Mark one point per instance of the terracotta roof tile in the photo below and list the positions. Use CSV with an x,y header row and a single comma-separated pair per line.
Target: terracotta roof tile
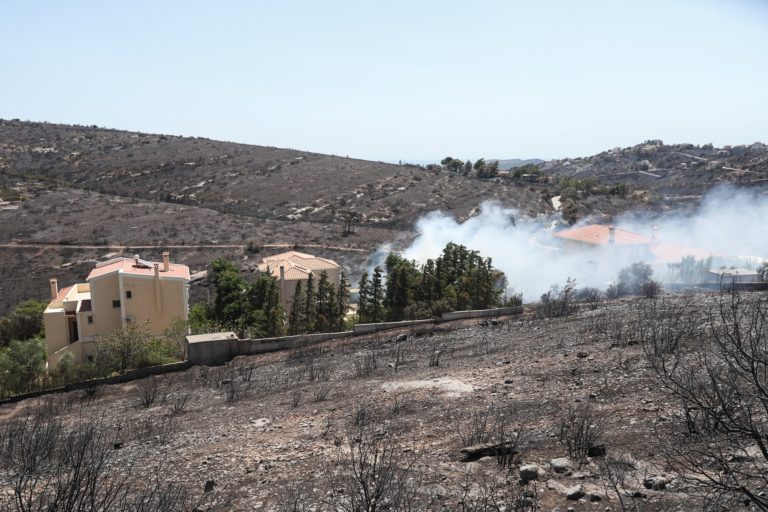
x,y
127,266
297,265
598,234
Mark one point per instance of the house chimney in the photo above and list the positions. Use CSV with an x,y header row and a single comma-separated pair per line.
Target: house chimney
x,y
611,234
136,260
166,261
158,295
54,288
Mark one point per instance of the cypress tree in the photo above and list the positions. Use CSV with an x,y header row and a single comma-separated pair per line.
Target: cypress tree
x,y
342,302
364,300
310,312
296,322
377,296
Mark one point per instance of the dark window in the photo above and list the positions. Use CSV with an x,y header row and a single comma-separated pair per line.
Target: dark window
x,y
115,303
128,294
90,359
90,319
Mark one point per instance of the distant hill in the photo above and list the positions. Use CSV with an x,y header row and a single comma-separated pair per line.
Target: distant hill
x,y
66,184
512,163
63,185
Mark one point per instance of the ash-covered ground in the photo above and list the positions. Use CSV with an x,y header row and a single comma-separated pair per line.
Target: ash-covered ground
x,y
458,416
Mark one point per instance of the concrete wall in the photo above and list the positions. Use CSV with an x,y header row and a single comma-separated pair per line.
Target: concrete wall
x,y
104,290
126,377
482,313
159,307
56,330
381,326
220,351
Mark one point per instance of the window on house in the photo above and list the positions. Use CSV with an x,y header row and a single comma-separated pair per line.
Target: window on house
x,y
129,294
90,319
115,303
90,359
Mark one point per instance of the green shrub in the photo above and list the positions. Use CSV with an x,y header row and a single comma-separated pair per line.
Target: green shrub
x,y
22,363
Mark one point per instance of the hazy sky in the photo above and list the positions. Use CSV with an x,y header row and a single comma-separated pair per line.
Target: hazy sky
x,y
393,80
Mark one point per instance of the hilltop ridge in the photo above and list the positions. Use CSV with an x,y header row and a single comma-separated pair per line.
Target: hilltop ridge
x,y
88,186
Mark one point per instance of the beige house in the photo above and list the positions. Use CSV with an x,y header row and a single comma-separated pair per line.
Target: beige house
x,y
292,266
117,291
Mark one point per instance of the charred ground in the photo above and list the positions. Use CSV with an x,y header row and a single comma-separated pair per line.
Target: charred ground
x,y
266,430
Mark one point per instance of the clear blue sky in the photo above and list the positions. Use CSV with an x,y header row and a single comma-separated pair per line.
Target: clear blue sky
x,y
393,80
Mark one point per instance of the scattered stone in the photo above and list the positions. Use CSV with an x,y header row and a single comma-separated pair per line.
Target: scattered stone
x,y
554,485
657,483
561,465
117,446
494,322
261,422
594,497
639,494
529,472
574,493
582,355
478,451
598,450
402,337
508,380
209,486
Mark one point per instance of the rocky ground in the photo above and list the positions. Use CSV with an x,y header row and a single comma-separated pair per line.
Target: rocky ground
x,y
268,431
65,185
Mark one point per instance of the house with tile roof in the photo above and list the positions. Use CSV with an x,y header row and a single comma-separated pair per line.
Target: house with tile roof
x,y
591,236
293,266
641,247
116,292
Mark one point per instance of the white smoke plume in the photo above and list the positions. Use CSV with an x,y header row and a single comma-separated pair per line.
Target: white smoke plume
x,y
730,224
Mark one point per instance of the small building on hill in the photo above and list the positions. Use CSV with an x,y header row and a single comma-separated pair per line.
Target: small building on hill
x,y
729,276
116,292
292,267
591,236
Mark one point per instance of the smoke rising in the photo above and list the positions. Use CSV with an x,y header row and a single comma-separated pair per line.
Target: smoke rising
x,y
729,225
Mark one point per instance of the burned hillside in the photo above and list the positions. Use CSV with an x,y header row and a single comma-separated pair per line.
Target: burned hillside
x,y
521,412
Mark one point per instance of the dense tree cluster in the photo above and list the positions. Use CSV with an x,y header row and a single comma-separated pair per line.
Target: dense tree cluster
x,y
319,308
25,323
241,306
22,351
487,169
253,308
482,168
458,279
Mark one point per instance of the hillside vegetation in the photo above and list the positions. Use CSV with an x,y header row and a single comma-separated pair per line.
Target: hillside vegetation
x,y
127,192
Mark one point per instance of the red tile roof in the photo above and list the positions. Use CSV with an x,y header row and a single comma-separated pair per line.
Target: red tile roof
x,y
297,265
598,234
675,253
128,266
63,293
